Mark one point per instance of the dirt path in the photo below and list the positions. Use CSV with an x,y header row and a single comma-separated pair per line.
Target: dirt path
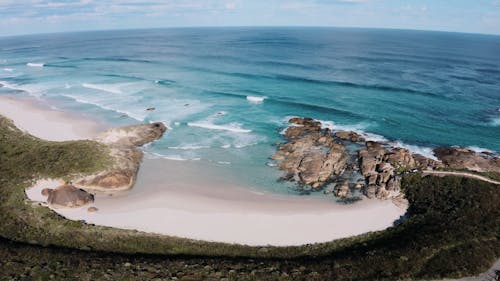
x,y
462,174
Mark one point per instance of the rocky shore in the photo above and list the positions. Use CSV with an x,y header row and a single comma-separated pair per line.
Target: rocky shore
x,y
343,162
122,145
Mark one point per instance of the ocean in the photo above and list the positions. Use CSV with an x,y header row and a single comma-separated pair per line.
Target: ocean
x,y
226,93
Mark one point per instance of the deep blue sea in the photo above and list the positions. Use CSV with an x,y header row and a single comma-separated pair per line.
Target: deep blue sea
x,y
226,93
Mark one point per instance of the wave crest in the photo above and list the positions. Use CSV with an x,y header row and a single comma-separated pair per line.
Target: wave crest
x,y
35,64
233,127
255,99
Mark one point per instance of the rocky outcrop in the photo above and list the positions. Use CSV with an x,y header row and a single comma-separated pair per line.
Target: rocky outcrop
x,y
314,156
311,156
122,143
379,166
67,196
350,136
464,158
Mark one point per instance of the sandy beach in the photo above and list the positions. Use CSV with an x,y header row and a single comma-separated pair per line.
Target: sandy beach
x,y
46,123
187,199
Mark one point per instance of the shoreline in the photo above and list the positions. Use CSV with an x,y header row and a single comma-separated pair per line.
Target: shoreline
x,y
41,121
168,199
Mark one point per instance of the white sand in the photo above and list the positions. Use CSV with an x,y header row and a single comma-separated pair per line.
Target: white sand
x,y
188,199
46,123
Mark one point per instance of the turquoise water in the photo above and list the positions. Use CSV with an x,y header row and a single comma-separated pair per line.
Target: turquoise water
x,y
226,93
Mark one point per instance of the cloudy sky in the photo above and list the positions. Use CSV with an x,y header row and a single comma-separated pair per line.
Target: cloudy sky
x,y
37,16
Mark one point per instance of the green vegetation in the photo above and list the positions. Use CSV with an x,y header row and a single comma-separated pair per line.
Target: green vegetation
x,y
453,230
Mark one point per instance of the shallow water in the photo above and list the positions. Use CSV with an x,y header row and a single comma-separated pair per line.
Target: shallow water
x,y
226,93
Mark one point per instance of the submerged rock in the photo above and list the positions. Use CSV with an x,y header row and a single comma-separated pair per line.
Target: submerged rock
x,y
67,196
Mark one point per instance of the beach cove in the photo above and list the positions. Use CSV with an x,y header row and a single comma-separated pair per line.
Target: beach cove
x,y
168,199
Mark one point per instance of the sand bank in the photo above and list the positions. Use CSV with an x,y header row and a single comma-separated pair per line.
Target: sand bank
x,y
189,199
46,123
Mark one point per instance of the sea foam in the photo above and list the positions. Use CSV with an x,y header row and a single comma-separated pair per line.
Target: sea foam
x,y
357,128
33,64
422,150
34,90
110,88
189,147
255,99
495,121
102,106
233,127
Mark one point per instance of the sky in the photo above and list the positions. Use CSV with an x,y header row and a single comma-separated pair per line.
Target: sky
x,y
46,16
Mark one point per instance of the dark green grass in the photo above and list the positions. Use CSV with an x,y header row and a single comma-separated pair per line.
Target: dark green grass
x,y
453,228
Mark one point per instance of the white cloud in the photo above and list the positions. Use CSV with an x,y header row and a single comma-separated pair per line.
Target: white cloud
x,y
230,5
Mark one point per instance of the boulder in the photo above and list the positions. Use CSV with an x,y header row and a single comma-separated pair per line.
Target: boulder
x,y
424,163
382,193
401,158
349,136
68,196
342,190
370,191
372,179
310,167
385,172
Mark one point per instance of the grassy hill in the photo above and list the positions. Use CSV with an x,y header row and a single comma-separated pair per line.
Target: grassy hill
x,y
452,230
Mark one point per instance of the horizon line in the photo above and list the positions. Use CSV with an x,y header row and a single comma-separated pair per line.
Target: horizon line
x,y
249,26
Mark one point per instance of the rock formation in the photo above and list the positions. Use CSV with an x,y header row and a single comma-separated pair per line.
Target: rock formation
x,y
379,166
313,156
464,158
122,143
349,135
67,196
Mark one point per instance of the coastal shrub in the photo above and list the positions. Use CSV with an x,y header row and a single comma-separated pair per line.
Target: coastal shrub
x,y
452,229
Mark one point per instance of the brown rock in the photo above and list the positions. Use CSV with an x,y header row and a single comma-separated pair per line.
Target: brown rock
x,y
343,190
310,155
68,196
46,191
463,158
423,162
310,167
372,179
391,185
385,172
382,193
370,191
92,209
400,157
350,136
